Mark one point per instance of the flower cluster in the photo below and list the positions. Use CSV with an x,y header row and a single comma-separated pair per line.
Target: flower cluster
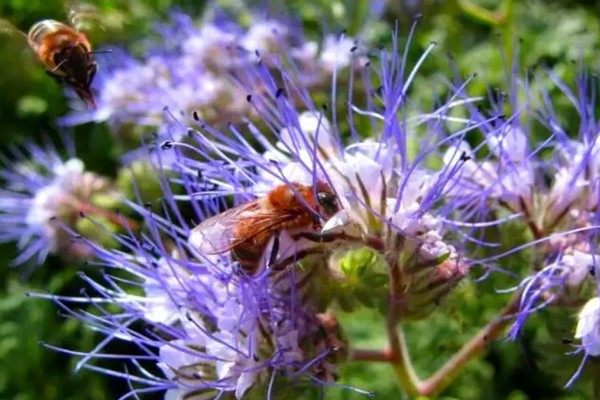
x,y
45,192
210,329
276,212
204,71
215,325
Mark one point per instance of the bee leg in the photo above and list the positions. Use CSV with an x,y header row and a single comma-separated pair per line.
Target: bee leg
x,y
274,251
59,79
92,69
57,67
282,264
371,241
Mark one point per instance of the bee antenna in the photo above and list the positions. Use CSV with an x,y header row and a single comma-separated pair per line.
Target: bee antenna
x,y
100,51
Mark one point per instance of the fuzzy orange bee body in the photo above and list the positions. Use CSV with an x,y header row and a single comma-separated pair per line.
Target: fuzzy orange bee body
x,y
63,49
67,55
247,229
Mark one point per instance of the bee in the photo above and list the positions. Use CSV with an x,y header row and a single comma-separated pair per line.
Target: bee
x,y
246,230
64,50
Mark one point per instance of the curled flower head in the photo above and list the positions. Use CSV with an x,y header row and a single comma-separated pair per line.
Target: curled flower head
x,y
388,202
43,191
530,170
211,329
201,72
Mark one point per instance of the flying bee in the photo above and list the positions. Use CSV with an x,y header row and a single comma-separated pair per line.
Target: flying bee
x,y
64,50
246,230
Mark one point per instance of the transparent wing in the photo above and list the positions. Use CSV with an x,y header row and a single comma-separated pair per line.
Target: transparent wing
x,y
221,233
83,16
7,28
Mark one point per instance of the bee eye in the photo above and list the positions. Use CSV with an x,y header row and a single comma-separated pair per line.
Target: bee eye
x,y
328,203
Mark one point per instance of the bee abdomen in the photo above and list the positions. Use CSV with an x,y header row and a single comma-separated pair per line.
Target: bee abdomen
x,y
40,29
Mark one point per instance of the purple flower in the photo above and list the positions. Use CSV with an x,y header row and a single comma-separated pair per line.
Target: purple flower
x,y
42,191
550,185
214,328
383,193
210,329
196,71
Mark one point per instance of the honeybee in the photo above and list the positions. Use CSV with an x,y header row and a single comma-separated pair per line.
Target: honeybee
x,y
64,50
247,229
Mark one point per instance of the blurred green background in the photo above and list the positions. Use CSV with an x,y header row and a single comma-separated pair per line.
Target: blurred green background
x,y
472,37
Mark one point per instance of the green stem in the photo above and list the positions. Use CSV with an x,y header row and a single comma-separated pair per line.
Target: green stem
x,y
407,377
398,355
450,370
485,16
596,386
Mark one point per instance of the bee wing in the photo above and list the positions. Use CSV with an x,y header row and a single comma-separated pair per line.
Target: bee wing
x,y
83,16
7,28
218,234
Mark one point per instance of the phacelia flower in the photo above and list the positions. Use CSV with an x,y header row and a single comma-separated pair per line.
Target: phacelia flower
x,y
216,328
388,202
196,71
43,191
548,182
588,327
211,330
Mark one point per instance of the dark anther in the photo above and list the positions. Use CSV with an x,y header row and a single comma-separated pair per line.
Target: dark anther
x,y
166,145
566,341
592,270
324,107
248,98
379,90
118,211
190,133
279,92
464,157
148,206
196,116
367,64
54,218
199,175
257,53
81,214
353,49
166,108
